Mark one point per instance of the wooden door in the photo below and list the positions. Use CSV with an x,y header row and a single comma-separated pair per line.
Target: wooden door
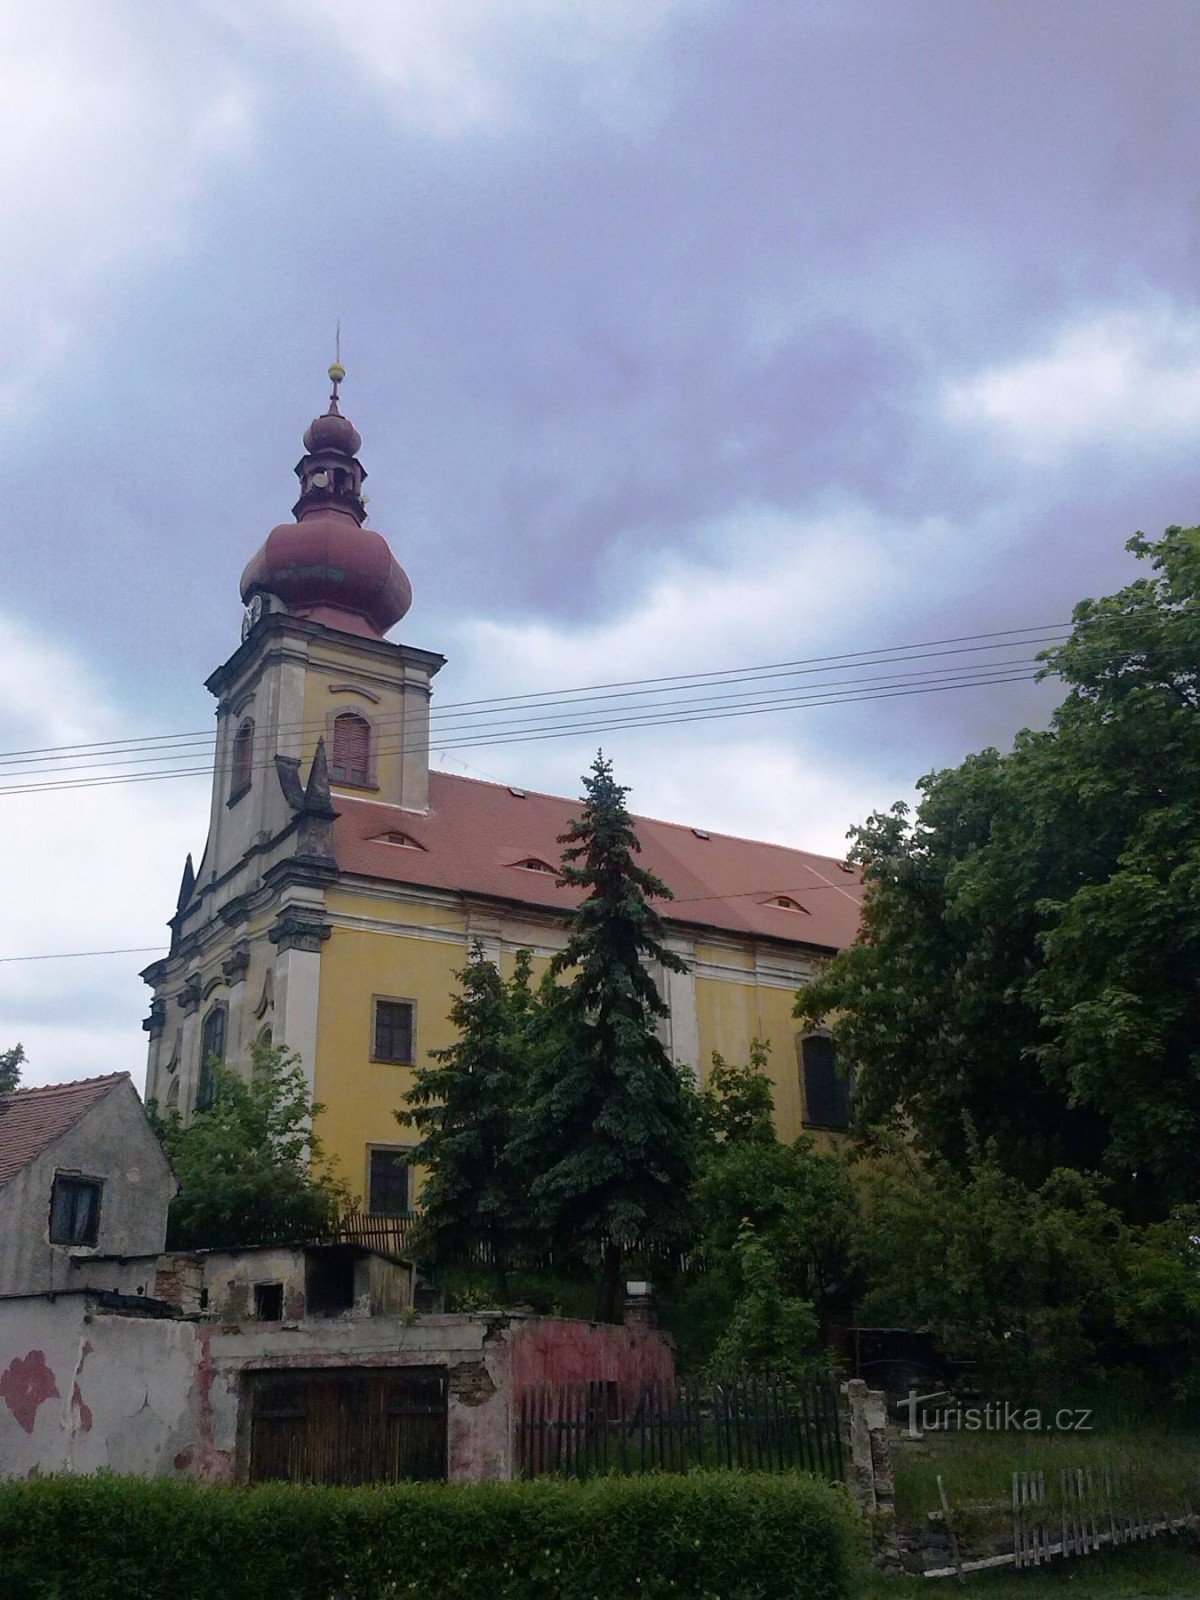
x,y
348,1425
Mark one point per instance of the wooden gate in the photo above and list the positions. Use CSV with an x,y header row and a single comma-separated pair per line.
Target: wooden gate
x,y
348,1425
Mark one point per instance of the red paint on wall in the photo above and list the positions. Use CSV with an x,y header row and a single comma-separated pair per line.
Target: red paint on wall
x,y
206,1372
81,1409
25,1384
559,1350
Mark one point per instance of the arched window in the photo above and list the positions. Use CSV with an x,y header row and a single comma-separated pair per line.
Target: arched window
x,y
351,749
243,759
212,1054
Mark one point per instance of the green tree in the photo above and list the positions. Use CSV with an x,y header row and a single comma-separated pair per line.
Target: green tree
x,y
737,1102
771,1330
1028,975
464,1108
1045,1287
607,1133
773,1226
11,1062
251,1169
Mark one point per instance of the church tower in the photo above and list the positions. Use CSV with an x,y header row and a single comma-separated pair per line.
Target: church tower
x,y
343,883
315,703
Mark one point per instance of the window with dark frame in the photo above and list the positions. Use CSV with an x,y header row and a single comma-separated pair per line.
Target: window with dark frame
x,y
351,761
389,1189
74,1210
826,1090
393,1032
212,1053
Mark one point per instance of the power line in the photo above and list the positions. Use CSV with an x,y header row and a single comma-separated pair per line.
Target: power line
x,y
80,955
631,718
885,653
541,716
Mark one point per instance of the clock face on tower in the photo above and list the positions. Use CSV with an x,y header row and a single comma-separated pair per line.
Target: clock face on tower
x,y
253,612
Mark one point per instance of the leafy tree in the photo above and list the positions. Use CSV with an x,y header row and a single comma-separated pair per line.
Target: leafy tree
x,y
1044,1286
464,1109
11,1062
771,1330
1028,976
737,1103
251,1169
774,1224
607,1130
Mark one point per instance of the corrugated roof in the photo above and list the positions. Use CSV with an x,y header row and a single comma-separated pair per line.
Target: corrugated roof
x,y
31,1119
475,836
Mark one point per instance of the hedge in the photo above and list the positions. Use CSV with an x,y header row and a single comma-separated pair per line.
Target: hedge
x,y
704,1536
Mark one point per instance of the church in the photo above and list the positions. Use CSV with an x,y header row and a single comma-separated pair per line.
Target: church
x,y
343,882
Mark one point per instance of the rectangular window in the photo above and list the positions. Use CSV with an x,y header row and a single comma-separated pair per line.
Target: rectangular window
x,y
268,1302
389,1192
74,1210
393,1040
826,1091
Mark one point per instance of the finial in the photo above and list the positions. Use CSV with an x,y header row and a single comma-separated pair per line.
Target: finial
x,y
337,371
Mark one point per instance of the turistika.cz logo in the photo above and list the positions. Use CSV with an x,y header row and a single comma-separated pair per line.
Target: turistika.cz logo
x,y
934,1413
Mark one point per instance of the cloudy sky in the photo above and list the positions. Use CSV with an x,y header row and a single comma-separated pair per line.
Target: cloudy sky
x,y
682,335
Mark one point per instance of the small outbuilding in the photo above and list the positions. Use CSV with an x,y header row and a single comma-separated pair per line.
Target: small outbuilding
x,y
84,1189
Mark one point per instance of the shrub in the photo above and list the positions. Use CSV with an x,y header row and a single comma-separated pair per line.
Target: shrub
x,y
706,1536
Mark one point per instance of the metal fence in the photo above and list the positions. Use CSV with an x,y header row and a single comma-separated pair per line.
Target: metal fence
x,y
764,1424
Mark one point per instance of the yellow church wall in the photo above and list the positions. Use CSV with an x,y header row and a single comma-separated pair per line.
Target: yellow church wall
x,y
731,1014
360,1096
358,964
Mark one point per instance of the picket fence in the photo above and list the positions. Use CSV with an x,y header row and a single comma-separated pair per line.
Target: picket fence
x,y
767,1424
1095,1509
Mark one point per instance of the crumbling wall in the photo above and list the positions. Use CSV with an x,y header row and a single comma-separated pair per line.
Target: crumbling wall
x,y
83,1389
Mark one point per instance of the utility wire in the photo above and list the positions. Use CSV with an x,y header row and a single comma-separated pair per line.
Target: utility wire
x,y
631,719
883,654
125,762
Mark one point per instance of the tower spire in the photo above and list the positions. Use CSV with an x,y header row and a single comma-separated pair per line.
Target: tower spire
x,y
337,371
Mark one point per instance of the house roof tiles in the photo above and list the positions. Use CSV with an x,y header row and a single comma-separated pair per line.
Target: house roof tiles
x,y
31,1119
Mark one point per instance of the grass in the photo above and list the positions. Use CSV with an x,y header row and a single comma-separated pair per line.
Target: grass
x,y
1169,1570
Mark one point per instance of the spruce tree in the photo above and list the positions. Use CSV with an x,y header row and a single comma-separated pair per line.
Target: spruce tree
x,y
608,1124
463,1107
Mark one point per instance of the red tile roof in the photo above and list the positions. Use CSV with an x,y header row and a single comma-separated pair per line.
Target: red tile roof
x,y
31,1119
475,835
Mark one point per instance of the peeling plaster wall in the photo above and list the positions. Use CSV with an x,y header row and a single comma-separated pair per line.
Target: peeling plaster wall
x,y
82,1389
562,1350
111,1141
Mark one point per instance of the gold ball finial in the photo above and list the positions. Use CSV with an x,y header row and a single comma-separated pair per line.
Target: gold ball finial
x,y
337,372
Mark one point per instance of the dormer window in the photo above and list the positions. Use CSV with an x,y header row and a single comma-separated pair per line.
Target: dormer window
x,y
351,761
784,902
401,839
533,864
243,760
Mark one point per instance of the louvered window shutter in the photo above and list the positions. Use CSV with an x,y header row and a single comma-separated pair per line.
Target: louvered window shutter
x,y
351,749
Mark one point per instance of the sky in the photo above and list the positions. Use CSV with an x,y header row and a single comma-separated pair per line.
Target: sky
x,y
682,335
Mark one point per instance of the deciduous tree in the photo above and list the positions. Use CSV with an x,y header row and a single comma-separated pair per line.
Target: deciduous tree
x,y
1028,976
251,1169
11,1062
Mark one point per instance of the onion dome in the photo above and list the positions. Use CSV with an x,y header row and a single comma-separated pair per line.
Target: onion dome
x,y
326,565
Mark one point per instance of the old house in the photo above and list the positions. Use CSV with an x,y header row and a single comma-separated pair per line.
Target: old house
x,y
343,881
84,1189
